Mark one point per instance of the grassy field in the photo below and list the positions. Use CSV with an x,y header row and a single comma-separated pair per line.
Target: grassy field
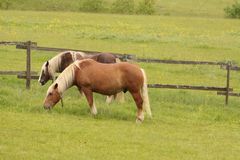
x,y
185,124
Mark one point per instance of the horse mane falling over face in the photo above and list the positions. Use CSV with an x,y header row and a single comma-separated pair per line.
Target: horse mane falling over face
x,y
90,76
63,82
58,64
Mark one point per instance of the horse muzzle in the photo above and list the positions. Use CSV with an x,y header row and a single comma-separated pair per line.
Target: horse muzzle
x,y
47,106
42,82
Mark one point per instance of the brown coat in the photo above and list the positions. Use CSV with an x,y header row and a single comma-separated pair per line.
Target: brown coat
x,y
114,74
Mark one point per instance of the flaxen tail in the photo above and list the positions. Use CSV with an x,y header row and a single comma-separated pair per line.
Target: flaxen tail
x,y
118,60
144,92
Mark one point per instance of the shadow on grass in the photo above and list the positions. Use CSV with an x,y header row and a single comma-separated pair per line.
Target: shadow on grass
x,y
115,111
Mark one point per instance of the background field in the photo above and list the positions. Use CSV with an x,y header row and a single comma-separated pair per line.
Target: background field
x,y
204,8
185,124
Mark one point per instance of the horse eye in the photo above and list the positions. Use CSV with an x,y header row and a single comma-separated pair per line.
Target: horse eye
x,y
50,94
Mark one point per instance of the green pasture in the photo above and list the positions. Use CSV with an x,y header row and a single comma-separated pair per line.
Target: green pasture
x,y
185,124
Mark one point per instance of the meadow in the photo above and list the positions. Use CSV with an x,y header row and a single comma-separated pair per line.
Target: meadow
x,y
185,124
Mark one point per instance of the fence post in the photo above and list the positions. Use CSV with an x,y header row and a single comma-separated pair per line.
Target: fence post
x,y
228,82
28,65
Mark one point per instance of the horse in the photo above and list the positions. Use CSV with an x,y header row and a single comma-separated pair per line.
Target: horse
x,y
90,76
58,63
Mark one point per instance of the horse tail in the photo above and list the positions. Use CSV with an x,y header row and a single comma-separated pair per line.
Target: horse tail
x,y
118,60
144,93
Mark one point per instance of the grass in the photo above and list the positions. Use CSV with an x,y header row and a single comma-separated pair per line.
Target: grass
x,y
71,137
185,124
199,127
164,37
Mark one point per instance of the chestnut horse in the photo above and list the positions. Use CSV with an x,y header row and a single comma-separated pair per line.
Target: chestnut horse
x,y
107,79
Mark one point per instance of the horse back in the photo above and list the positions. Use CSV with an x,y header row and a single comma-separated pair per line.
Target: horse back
x,y
104,58
118,75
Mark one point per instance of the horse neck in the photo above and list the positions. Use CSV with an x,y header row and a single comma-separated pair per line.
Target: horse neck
x,y
55,63
66,79
77,55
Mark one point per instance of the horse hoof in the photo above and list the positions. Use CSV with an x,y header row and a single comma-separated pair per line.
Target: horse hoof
x,y
94,111
139,121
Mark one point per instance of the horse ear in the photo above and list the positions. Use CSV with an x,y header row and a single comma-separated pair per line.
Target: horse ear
x,y
47,63
55,86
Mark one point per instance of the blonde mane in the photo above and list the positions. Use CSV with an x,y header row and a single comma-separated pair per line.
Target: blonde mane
x,y
55,62
74,55
65,79
53,65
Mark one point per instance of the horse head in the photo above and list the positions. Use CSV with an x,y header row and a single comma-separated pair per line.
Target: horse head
x,y
53,96
45,74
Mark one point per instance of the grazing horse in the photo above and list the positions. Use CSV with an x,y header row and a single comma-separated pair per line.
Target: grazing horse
x,y
107,79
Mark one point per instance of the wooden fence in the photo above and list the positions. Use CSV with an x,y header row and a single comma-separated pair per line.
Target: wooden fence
x,y
226,90
28,71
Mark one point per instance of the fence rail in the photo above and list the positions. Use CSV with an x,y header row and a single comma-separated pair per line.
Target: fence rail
x,y
16,43
233,68
181,62
24,76
172,86
14,72
230,94
22,46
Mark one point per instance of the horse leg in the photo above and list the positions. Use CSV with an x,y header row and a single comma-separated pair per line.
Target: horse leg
x,y
139,102
119,97
109,99
80,91
89,95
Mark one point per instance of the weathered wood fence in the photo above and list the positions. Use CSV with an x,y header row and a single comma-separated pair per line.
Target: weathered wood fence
x,y
28,74
223,65
28,71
